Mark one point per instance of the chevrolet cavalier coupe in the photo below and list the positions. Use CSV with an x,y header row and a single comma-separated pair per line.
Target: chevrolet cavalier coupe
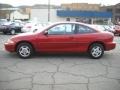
x,y
63,37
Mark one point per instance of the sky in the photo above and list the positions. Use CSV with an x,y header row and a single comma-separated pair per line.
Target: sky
x,y
58,2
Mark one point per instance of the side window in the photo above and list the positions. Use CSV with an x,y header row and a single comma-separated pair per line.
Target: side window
x,y
70,28
84,29
62,29
58,29
17,24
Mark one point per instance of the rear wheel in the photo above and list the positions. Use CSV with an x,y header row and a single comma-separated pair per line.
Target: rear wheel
x,y
24,50
96,51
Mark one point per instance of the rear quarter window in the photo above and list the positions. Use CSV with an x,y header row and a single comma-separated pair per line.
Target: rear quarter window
x,y
84,29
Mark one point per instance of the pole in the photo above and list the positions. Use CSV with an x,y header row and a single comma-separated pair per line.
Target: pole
x,y
48,10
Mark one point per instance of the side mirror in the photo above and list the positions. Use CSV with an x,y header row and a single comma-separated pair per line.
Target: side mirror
x,y
45,32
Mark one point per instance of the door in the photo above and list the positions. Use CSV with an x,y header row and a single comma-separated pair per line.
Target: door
x,y
60,38
84,36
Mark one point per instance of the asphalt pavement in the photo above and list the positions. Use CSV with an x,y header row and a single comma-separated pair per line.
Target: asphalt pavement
x,y
59,72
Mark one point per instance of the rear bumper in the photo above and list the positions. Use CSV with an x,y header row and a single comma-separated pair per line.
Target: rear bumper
x,y
9,47
110,46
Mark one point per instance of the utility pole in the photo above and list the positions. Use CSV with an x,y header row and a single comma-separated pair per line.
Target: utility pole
x,y
48,10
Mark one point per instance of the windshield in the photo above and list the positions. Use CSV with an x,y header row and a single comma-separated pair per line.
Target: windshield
x,y
42,28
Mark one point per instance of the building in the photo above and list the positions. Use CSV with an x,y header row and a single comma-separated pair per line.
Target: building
x,y
17,15
57,15
4,14
43,14
84,12
12,13
115,10
85,16
5,10
72,12
81,6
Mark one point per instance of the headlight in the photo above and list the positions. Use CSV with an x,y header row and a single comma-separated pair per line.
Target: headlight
x,y
10,41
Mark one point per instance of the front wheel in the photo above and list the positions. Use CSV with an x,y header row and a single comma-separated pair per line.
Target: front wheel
x,y
96,51
12,32
24,50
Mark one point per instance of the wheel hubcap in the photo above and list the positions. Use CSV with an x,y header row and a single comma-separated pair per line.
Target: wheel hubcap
x,y
96,51
24,51
12,32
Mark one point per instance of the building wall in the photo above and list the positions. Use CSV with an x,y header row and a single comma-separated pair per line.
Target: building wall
x,y
5,14
2,14
14,13
82,6
42,15
115,9
18,15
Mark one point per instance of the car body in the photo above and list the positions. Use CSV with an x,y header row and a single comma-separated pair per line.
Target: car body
x,y
29,27
33,26
3,22
117,30
11,27
108,28
62,37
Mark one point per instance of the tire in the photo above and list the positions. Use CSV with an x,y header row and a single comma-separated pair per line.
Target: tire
x,y
12,32
4,32
96,51
24,50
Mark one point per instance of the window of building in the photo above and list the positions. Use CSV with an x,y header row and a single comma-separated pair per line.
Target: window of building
x,y
109,10
78,19
117,10
67,19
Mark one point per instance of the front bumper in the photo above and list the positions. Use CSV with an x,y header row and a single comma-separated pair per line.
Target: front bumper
x,y
10,47
110,46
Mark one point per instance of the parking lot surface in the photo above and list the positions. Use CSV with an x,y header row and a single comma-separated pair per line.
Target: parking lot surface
x,y
59,72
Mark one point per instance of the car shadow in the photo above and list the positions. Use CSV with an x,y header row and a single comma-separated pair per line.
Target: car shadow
x,y
72,55
36,55
7,55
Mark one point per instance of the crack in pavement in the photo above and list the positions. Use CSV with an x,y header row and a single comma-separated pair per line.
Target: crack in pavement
x,y
14,67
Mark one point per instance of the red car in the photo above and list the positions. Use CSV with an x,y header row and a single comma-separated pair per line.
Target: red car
x,y
66,37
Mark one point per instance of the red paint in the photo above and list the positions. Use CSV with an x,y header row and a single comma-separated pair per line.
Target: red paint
x,y
117,29
62,43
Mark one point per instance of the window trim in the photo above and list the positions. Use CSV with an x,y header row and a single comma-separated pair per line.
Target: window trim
x,y
65,30
94,31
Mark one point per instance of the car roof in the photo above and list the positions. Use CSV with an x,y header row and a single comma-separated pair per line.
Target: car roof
x,y
70,22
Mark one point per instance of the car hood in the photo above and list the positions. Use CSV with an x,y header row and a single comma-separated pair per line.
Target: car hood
x,y
24,35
